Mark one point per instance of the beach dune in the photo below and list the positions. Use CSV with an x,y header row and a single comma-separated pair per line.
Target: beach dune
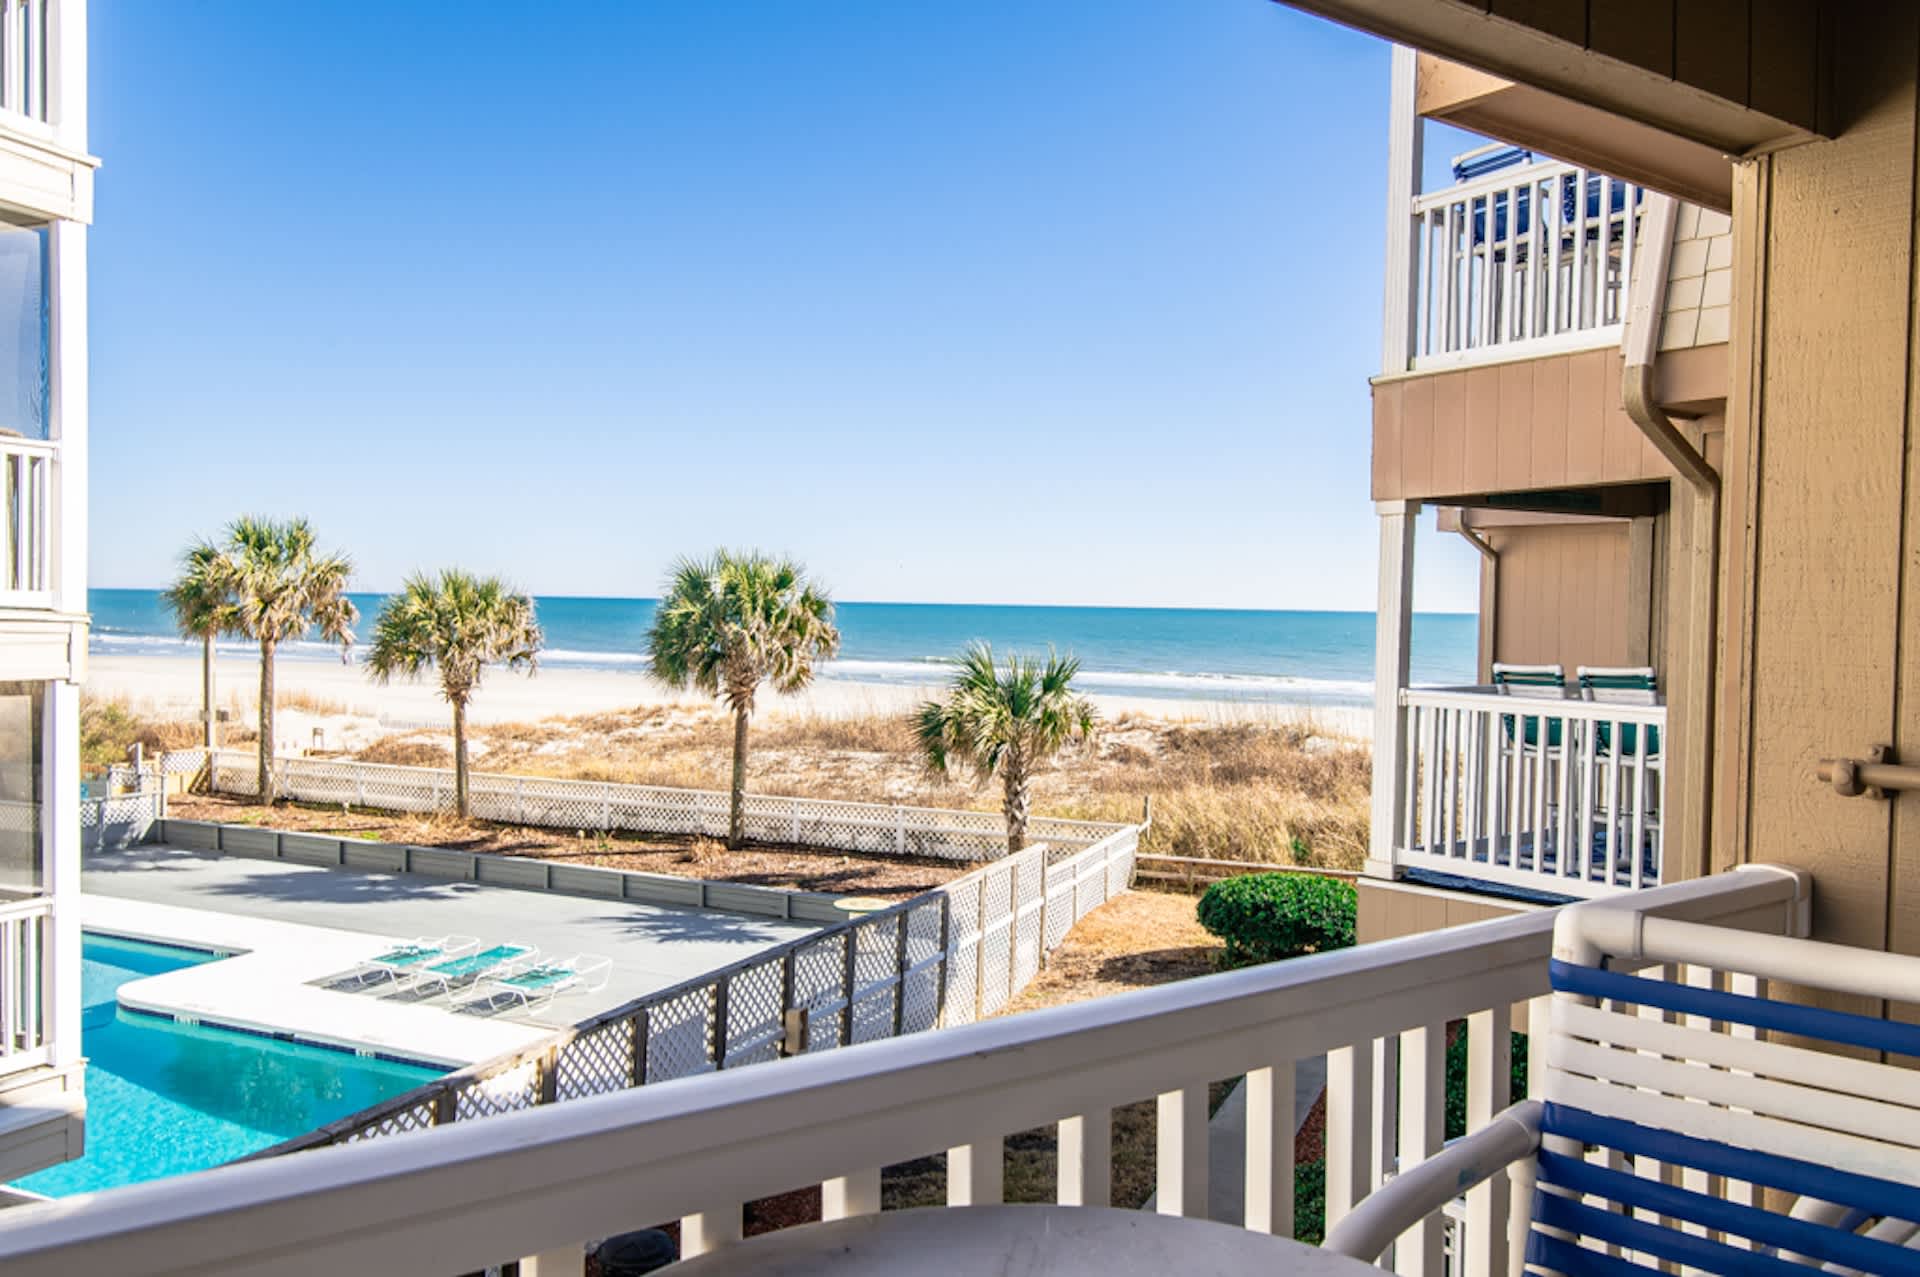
x,y
348,709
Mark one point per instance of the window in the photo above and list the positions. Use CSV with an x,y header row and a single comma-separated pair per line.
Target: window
x,y
22,744
25,312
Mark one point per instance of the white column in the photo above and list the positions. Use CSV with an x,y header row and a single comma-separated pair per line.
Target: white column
x,y
60,834
67,410
1403,236
1393,636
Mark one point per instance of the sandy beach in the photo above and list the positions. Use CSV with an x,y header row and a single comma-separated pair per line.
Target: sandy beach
x,y
339,700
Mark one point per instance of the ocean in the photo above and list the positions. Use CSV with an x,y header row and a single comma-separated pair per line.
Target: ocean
x,y
1173,653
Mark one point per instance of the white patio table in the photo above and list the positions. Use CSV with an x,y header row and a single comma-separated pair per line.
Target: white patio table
x,y
1020,1241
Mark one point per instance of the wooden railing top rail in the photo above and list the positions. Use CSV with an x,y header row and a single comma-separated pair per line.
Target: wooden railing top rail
x,y
1570,706
1497,182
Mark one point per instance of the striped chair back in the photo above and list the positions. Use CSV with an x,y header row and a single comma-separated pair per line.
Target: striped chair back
x,y
1695,1123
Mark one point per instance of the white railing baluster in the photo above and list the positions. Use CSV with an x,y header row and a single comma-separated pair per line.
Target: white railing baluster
x,y
1423,1054
1180,1159
845,1196
1349,1129
1477,298
1489,1068
976,1173
1269,1150
709,1230
1085,1160
1517,789
1410,833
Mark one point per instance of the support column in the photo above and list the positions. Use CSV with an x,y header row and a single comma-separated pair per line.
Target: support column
x,y
1403,235
67,414
60,847
1393,637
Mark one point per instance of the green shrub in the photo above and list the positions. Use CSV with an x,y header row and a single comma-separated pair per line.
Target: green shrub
x,y
1456,1115
1310,1202
1264,917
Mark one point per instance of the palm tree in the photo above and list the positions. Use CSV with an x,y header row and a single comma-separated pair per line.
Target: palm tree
x,y
202,601
460,624
732,622
1005,722
282,589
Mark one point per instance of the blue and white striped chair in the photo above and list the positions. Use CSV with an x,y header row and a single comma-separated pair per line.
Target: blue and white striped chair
x,y
1697,1125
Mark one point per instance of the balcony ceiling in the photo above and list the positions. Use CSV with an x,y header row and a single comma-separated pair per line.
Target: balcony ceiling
x,y
1654,90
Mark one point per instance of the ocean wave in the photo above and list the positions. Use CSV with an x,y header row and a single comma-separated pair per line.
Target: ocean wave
x,y
923,672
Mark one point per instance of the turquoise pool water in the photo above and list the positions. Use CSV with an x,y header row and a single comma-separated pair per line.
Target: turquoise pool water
x,y
166,1098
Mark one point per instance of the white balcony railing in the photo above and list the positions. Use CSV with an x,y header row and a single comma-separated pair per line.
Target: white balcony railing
x,y
23,57
26,969
26,485
1562,796
539,1182
1528,260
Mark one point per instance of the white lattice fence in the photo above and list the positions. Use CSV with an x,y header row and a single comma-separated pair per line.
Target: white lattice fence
x,y
873,828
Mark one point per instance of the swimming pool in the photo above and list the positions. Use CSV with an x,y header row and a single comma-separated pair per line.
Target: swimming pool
x,y
166,1098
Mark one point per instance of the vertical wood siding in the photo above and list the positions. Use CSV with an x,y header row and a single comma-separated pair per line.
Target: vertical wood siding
x,y
1513,427
1821,591
1563,595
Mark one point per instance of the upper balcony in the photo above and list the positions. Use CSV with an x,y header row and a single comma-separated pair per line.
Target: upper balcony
x,y
45,170
1520,257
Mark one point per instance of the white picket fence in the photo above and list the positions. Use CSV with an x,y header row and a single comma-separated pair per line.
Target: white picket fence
x,y
601,806
948,956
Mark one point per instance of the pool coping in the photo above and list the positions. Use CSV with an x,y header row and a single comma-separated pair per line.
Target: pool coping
x,y
265,987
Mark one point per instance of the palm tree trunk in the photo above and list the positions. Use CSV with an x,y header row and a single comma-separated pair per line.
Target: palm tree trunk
x,y
1017,805
460,756
211,732
265,789
737,812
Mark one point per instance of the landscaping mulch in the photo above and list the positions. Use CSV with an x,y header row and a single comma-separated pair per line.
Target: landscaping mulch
x,y
765,865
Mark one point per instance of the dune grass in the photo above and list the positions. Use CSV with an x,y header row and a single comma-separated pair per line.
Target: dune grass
x,y
1282,790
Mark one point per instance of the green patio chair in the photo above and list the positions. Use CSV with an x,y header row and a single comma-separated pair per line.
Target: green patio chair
x,y
1625,685
1541,682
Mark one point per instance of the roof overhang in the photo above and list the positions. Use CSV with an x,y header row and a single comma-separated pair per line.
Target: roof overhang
x,y
1731,80
1571,131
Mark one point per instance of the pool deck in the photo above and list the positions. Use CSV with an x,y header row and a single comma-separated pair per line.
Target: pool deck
x,y
299,930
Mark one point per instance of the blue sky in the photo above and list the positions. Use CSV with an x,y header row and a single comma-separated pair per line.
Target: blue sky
x,y
1069,302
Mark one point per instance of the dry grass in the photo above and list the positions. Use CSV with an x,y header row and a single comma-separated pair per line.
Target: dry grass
x,y
109,728
1280,791
1142,939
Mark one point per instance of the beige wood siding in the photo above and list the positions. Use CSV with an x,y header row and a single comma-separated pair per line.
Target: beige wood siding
x,y
1563,595
1555,422
1389,910
1820,650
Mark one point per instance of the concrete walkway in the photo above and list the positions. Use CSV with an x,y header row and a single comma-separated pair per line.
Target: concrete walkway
x,y
310,926
1227,1141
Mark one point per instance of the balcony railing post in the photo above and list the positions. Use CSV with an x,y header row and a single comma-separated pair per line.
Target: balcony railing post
x,y
1393,637
1403,223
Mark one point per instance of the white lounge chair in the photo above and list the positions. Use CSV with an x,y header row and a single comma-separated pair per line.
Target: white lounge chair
x,y
472,968
404,959
534,984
